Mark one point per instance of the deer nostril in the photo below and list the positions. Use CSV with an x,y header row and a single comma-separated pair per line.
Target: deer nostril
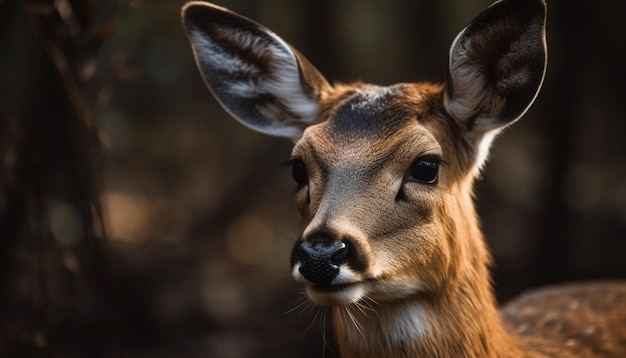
x,y
341,255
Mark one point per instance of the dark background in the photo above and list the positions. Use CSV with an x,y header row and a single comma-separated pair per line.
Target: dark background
x,y
138,220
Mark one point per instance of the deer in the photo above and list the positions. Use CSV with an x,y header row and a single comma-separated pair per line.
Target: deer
x,y
391,240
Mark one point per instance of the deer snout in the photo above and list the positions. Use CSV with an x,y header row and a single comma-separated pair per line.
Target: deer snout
x,y
327,262
318,262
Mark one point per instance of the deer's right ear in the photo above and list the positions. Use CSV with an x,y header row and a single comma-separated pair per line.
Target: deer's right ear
x,y
256,76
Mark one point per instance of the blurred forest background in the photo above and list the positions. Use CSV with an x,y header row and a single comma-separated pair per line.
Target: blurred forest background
x,y
138,220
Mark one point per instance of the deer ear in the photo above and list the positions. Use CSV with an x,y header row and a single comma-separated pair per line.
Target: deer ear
x,y
256,76
497,65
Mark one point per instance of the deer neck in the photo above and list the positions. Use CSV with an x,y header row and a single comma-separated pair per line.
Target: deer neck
x,y
461,323
460,320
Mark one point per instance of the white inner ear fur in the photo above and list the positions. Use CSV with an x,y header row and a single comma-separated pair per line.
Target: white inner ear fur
x,y
472,95
249,80
470,92
467,83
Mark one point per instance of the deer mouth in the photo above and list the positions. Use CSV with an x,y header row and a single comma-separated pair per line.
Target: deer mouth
x,y
331,289
336,295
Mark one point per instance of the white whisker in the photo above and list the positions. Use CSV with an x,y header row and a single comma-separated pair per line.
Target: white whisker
x,y
304,304
362,308
355,322
323,327
317,312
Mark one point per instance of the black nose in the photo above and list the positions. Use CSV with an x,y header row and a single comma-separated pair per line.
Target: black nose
x,y
320,263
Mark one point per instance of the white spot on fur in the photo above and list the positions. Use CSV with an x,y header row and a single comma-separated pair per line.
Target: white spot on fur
x,y
522,328
396,325
410,322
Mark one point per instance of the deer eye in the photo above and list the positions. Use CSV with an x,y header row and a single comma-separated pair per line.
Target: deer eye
x,y
426,169
299,173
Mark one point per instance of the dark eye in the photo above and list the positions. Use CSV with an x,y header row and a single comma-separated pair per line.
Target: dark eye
x,y
298,171
426,169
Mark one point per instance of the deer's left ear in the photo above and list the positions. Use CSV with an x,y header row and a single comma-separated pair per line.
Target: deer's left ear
x,y
256,76
496,66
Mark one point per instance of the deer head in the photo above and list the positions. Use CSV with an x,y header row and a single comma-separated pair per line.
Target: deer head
x,y
384,173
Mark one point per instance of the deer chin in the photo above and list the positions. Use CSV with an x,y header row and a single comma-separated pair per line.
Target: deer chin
x,y
377,290
336,295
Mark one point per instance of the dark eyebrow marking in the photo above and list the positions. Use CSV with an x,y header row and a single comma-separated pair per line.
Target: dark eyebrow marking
x,y
369,112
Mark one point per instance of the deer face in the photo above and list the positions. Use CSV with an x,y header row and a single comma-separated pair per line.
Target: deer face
x,y
373,182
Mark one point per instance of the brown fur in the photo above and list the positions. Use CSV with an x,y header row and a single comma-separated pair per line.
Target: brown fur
x,y
462,317
417,282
